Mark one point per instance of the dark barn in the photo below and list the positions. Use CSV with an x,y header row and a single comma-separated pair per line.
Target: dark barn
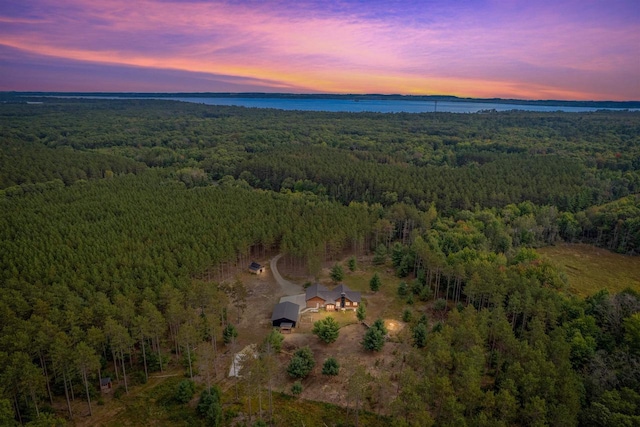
x,y
285,312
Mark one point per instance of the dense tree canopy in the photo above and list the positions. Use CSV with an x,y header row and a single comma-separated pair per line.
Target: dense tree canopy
x,y
118,218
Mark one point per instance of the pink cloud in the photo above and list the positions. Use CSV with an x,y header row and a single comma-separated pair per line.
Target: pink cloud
x,y
505,49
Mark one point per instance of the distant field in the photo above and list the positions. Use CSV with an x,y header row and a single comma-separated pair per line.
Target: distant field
x,y
590,269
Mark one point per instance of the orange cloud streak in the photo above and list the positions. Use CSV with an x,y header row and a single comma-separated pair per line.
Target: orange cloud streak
x,y
314,51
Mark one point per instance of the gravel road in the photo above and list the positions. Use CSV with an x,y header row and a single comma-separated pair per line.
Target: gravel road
x,y
288,288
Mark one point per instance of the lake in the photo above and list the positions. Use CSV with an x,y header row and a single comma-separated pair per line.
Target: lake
x,y
366,105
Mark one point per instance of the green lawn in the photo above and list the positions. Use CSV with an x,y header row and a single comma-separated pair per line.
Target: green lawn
x,y
385,302
591,269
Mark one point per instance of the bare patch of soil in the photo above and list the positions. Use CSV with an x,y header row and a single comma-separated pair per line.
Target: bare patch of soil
x,y
263,294
349,353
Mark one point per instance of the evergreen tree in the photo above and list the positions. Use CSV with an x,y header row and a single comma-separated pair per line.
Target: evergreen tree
x,y
302,363
375,336
361,312
403,289
352,264
229,333
331,367
186,390
337,273
296,388
380,255
326,329
420,335
210,407
274,340
375,282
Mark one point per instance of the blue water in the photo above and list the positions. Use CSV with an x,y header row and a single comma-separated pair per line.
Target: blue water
x,y
367,105
380,106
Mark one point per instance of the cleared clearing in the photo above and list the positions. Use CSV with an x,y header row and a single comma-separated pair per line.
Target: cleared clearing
x,y
590,269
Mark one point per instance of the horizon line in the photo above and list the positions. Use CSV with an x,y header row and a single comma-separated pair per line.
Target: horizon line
x,y
316,95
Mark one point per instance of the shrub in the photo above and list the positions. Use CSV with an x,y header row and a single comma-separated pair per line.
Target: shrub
x,y
302,363
375,283
118,392
423,319
229,333
330,367
186,390
440,304
403,289
274,340
153,361
138,377
425,294
352,264
420,335
380,256
296,388
210,408
361,312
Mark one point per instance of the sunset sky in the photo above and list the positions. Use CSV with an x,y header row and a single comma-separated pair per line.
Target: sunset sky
x,y
530,49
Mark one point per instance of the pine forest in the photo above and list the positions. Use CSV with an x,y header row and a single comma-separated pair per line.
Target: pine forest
x,y
127,227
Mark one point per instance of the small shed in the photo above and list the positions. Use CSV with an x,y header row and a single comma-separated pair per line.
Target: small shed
x,y
256,268
105,385
285,312
286,327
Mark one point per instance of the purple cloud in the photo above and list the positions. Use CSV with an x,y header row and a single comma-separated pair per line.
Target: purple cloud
x,y
542,49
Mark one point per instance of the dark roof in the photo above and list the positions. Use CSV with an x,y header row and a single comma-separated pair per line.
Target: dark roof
x,y
318,290
105,381
286,310
351,295
254,266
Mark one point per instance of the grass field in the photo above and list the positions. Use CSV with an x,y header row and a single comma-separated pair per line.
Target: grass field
x,y
590,269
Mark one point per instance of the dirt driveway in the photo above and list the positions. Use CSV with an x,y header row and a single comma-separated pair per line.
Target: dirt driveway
x,y
264,292
288,288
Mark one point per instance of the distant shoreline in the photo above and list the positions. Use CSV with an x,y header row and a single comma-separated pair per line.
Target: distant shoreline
x,y
354,97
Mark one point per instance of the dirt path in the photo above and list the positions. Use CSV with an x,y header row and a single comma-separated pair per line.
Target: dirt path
x,y
288,288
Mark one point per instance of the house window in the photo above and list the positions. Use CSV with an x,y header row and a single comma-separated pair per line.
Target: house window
x,y
347,303
355,304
